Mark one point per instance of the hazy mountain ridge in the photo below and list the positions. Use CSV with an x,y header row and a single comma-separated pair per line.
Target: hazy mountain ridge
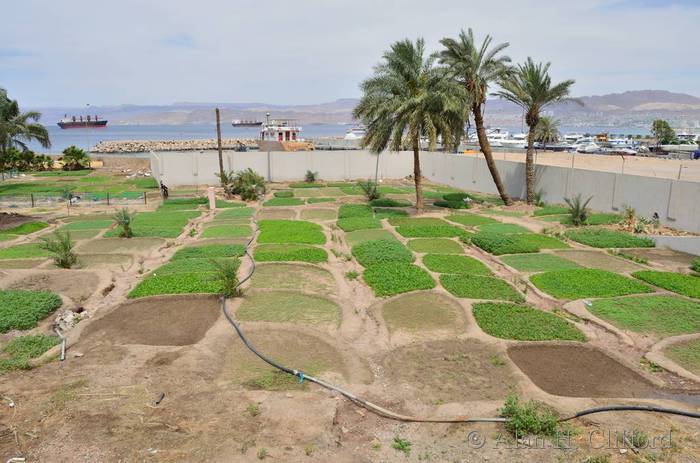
x,y
632,106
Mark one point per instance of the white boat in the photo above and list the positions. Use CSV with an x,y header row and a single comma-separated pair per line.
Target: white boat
x,y
282,135
590,147
355,133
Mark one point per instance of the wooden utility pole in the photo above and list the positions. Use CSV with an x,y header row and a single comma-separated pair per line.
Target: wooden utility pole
x,y
218,142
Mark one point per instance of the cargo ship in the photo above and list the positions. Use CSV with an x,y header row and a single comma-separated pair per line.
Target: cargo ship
x,y
79,122
244,123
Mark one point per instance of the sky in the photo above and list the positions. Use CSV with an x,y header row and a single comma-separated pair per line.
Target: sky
x,y
79,52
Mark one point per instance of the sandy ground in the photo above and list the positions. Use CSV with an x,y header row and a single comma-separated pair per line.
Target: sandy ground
x,y
633,165
167,379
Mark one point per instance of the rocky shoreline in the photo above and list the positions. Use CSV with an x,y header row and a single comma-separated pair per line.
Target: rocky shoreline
x,y
144,146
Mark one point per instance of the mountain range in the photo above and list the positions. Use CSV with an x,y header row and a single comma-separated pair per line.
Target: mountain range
x,y
630,108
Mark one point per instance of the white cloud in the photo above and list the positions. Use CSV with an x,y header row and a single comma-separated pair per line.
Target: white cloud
x,y
318,50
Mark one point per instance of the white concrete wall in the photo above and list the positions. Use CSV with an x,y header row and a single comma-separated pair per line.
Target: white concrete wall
x,y
676,202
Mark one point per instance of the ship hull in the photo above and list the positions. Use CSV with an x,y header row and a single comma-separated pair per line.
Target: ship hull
x,y
247,124
83,125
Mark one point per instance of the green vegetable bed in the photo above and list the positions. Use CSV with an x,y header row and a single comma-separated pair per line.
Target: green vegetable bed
x,y
524,323
290,253
687,285
22,310
580,283
290,231
471,220
283,202
209,251
435,246
480,287
349,224
388,279
604,238
226,231
538,262
446,263
381,251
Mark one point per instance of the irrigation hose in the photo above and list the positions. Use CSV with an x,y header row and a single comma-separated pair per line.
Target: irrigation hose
x,y
381,411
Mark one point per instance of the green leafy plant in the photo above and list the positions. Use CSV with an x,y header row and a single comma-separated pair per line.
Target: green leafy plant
x,y
381,251
21,310
435,246
283,202
401,445
124,218
290,253
604,238
60,246
349,224
209,251
354,210
449,263
529,418
695,265
687,285
226,274
389,202
74,158
290,231
369,189
390,278
578,209
246,183
283,194
480,287
586,282
523,323
352,274
310,176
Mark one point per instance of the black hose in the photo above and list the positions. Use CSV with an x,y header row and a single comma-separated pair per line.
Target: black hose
x,y
396,416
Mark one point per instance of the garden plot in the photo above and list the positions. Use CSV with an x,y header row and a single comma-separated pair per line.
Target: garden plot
x,y
104,260
288,307
447,263
162,321
471,220
410,227
658,316
523,243
23,251
20,263
524,323
362,236
582,283
235,213
505,228
180,276
675,260
23,309
166,222
538,262
317,192
480,287
422,311
579,371
305,352
320,215
76,284
26,228
119,245
305,278
687,285
435,246
599,259
226,231
448,371
16,354
208,251
604,238
273,213
283,202
290,231
290,253
686,354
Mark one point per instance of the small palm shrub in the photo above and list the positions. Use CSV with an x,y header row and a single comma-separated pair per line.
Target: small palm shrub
x,y
695,265
370,189
578,209
60,246
226,273
75,159
246,183
124,219
311,177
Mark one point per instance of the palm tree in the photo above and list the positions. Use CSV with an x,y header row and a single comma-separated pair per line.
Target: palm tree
x,y
406,98
531,88
474,68
17,128
547,131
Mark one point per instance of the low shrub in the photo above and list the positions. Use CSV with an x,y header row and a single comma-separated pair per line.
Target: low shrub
x,y
209,251
480,287
578,210
530,418
524,323
246,183
604,238
358,223
369,189
695,265
290,253
310,176
687,285
290,231
447,263
60,247
124,218
226,274
354,210
390,278
435,246
388,202
375,252
22,310
584,282
274,202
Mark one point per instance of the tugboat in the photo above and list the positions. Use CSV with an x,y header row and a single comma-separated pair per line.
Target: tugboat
x,y
282,135
80,123
245,123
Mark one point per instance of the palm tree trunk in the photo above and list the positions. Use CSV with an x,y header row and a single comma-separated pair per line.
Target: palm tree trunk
x,y
530,166
488,155
417,176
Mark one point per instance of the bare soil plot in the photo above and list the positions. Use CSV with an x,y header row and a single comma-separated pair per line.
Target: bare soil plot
x,y
158,321
77,285
302,351
305,278
288,306
598,259
423,311
675,260
577,371
319,214
21,263
686,354
119,245
448,371
103,260
276,213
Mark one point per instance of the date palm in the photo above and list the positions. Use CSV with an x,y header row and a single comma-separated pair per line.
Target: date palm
x,y
406,98
475,67
530,87
18,128
547,131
